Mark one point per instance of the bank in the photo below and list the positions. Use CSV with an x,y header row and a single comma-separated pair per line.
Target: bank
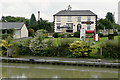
x,y
63,61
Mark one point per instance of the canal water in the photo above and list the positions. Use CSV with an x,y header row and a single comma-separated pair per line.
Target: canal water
x,y
19,70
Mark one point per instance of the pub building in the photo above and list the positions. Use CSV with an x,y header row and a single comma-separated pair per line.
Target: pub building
x,y
73,20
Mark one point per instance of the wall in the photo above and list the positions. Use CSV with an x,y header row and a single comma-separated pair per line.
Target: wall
x,y
64,20
24,31
17,34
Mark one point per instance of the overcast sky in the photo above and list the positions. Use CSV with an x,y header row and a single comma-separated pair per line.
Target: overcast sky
x,y
24,8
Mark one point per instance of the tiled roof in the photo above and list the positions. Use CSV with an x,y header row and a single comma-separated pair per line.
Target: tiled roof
x,y
75,13
8,25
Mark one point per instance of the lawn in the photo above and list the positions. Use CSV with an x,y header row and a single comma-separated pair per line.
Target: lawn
x,y
102,39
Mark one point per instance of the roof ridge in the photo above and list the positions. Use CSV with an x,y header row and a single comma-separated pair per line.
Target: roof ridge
x,y
12,22
75,12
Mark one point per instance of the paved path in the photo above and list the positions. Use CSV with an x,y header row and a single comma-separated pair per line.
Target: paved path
x,y
22,39
71,59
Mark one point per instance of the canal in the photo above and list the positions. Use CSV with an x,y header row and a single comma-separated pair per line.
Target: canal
x,y
19,70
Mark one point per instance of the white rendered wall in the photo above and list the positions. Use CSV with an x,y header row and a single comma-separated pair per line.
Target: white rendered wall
x,y
64,20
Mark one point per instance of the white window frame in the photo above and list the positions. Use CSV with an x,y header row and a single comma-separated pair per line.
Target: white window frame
x,y
17,32
89,18
79,19
70,25
58,24
69,18
58,18
89,27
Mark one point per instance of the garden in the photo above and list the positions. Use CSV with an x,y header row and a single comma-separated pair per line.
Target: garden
x,y
62,45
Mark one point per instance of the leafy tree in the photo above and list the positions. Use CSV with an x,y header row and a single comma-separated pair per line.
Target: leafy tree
x,y
32,23
104,23
44,24
38,44
110,17
15,19
107,24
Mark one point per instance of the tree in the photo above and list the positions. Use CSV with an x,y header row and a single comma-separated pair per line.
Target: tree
x,y
100,24
30,23
15,19
33,22
38,44
110,17
104,23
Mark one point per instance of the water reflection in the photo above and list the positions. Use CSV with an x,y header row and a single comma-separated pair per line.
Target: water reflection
x,y
53,71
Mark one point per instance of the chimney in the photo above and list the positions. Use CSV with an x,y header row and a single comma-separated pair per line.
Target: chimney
x,y
38,15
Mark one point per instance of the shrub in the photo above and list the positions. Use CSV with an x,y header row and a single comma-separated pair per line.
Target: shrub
x,y
21,48
11,31
60,50
115,33
45,35
55,35
16,49
110,49
65,35
4,36
38,44
79,49
101,34
4,45
105,35
31,32
77,34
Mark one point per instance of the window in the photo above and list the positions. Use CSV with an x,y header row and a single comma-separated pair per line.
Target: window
x,y
79,19
88,27
17,32
69,19
69,25
58,18
89,18
58,26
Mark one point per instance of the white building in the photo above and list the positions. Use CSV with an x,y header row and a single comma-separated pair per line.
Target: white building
x,y
20,29
72,20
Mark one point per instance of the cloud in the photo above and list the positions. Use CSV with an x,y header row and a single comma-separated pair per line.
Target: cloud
x,y
25,8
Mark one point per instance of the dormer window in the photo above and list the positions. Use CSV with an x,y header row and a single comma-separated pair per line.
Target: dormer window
x,y
69,19
58,19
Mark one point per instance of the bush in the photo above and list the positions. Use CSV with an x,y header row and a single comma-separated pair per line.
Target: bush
x,y
110,49
38,44
115,33
60,50
77,34
4,45
11,31
80,49
101,34
21,48
65,35
16,49
55,35
31,32
4,36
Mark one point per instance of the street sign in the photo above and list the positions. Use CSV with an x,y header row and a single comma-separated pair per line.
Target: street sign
x,y
96,37
82,34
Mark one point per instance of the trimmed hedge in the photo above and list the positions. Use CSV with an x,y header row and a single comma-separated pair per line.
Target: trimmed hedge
x,y
77,34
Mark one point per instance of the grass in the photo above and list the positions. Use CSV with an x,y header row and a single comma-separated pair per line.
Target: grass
x,y
97,44
102,39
